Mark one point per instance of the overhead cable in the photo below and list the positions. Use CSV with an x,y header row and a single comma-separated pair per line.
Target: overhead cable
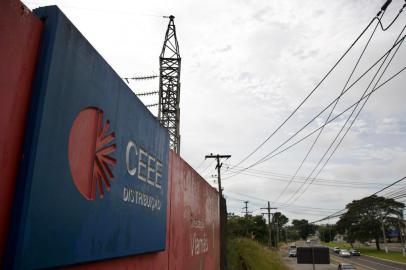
x,y
318,182
393,21
355,117
338,213
328,117
383,8
286,177
271,154
308,95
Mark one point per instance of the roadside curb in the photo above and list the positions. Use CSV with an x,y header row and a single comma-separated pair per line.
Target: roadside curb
x,y
384,259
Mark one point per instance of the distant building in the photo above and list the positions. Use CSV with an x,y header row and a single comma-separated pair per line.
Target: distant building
x,y
339,238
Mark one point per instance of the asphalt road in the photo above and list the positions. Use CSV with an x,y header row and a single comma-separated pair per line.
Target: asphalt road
x,y
367,263
361,262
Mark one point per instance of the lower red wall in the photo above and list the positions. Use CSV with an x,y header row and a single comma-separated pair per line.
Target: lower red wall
x,y
194,219
20,34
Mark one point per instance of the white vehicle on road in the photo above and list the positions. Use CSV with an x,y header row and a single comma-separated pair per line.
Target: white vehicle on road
x,y
344,253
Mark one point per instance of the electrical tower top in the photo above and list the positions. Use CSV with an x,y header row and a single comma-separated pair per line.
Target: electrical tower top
x,y
169,85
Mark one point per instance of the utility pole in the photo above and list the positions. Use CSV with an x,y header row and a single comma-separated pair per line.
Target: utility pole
x,y
222,212
277,232
331,240
384,236
218,167
269,223
402,240
246,212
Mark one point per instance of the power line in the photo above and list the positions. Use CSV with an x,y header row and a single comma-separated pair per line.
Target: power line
x,y
328,117
285,177
271,154
208,166
395,192
354,119
288,176
383,8
338,213
320,182
391,23
200,164
279,205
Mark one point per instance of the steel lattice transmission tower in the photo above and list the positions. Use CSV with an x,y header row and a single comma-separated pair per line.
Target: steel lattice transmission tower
x,y
169,85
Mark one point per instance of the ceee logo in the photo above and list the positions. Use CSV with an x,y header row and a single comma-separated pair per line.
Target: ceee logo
x,y
90,152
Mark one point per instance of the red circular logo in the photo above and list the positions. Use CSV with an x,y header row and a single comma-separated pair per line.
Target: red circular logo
x,y
89,153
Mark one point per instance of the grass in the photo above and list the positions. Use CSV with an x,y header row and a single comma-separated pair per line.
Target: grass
x,y
245,254
393,256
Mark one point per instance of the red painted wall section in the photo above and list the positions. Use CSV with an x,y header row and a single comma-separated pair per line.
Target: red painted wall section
x,y
20,33
194,219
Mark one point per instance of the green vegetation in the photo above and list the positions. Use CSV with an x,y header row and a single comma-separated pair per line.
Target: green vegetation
x,y
245,254
304,228
393,256
327,232
256,227
364,218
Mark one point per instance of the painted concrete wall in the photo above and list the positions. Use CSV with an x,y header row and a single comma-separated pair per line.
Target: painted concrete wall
x,y
20,33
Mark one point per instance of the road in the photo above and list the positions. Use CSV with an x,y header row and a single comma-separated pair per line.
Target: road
x,y
361,262
367,263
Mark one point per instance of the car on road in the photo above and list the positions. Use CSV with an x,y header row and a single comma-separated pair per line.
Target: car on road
x,y
336,249
355,252
344,253
292,253
345,266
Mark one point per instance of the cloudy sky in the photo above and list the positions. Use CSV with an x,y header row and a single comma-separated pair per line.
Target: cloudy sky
x,y
246,65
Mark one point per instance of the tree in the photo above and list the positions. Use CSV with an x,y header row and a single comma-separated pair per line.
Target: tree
x,y
292,233
248,225
365,218
327,232
303,227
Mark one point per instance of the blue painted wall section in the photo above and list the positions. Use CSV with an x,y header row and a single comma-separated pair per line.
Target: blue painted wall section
x,y
59,222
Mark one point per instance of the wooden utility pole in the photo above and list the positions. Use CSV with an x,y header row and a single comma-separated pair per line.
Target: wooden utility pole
x,y
222,212
218,167
269,223
277,232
